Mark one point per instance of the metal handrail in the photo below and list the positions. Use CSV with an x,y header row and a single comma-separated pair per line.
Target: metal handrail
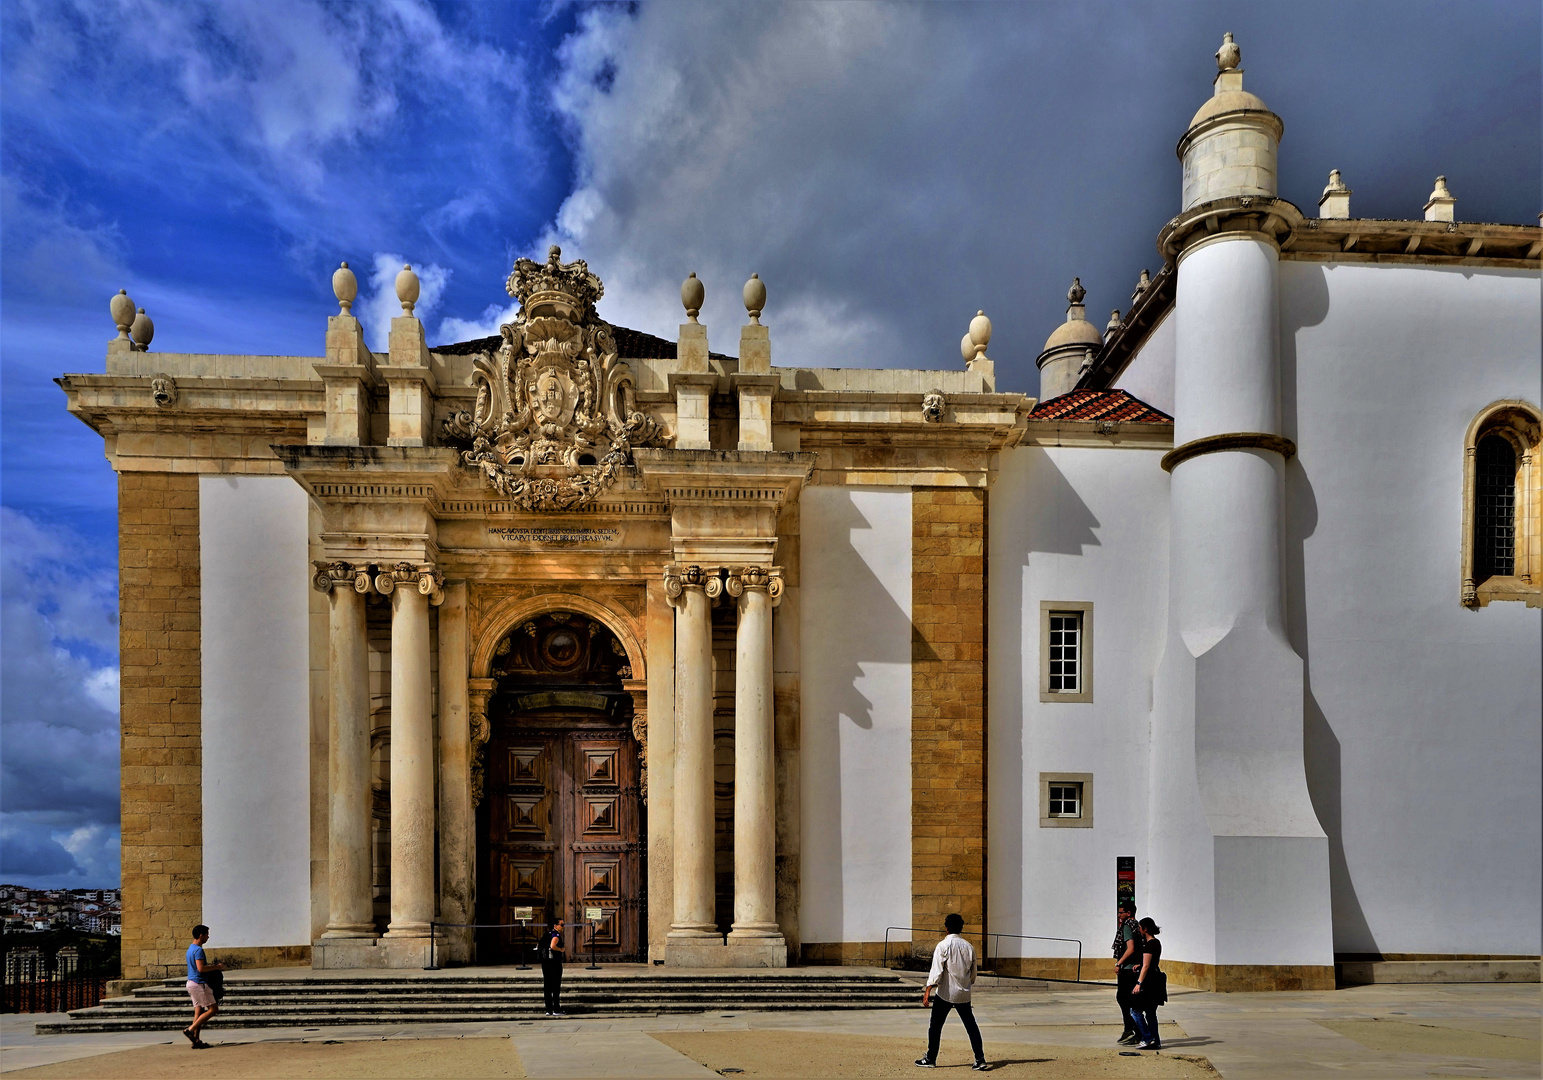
x,y
985,949
522,966
1038,937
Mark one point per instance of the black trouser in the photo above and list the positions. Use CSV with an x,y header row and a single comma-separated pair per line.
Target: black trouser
x,y
935,1032
552,983
1125,982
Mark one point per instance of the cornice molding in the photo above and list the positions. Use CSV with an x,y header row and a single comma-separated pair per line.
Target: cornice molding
x,y
1232,440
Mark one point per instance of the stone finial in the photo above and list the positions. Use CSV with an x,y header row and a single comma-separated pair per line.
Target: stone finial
x,y
407,289
1229,55
755,297
1143,283
122,309
1075,294
1441,206
1114,324
973,345
692,293
1335,200
142,331
345,286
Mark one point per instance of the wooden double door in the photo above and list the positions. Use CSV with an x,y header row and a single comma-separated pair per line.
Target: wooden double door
x,y
565,837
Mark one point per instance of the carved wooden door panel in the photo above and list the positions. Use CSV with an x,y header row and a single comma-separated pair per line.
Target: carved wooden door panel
x,y
565,835
605,846
527,782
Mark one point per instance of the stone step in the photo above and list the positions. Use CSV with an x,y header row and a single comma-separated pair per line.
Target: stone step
x,y
88,1021
481,998
1377,972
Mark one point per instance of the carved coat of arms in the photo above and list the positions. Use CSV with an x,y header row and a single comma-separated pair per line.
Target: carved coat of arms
x,y
556,414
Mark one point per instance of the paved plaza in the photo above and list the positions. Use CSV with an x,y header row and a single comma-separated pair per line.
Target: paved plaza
x,y
1371,1031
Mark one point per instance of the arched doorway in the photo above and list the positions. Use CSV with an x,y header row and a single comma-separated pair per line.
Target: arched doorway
x,y
561,822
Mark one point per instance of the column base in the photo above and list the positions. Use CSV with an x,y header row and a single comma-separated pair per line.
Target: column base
x,y
342,954
347,931
399,931
759,952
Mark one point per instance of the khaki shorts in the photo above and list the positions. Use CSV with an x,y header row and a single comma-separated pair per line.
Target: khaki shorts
x,y
203,997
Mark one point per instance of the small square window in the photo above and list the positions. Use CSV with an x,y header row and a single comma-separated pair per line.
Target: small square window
x,y
1066,800
1065,651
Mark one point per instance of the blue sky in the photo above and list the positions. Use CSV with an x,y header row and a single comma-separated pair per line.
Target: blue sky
x,y
886,169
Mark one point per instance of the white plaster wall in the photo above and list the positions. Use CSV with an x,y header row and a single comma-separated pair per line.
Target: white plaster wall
x,y
256,754
855,810
1422,729
1071,524
1149,375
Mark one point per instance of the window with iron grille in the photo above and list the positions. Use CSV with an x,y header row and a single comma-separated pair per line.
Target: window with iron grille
x,y
1066,652
1494,516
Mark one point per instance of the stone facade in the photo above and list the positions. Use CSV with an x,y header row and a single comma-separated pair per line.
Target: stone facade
x,y
948,706
162,793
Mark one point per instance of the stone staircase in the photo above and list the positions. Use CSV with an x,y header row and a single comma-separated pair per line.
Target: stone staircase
x,y
369,997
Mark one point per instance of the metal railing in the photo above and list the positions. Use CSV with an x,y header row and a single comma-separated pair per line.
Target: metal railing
x,y
985,938
522,965
52,992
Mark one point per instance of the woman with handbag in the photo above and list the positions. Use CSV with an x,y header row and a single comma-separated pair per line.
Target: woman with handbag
x,y
1151,989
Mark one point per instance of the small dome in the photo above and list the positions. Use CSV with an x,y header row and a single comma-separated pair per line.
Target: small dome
x,y
1228,101
1074,332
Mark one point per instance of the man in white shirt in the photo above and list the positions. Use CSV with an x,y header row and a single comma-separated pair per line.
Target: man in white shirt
x,y
948,987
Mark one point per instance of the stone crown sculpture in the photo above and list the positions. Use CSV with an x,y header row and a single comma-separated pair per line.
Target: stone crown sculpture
x,y
556,416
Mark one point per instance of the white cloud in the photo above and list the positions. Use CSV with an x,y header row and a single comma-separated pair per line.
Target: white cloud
x,y
493,316
378,303
58,706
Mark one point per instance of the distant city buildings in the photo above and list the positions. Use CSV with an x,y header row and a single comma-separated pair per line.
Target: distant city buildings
x,y
93,911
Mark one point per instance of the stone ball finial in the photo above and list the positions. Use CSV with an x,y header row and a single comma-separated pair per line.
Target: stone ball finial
x,y
407,288
1229,55
755,297
122,309
980,332
1440,191
1114,322
1336,181
345,286
142,331
1075,294
692,293
967,348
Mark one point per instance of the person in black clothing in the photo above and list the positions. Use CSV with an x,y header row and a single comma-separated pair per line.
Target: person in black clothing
x,y
1127,964
552,955
1151,988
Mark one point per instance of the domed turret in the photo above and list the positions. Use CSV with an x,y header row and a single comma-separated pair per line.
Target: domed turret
x,y
1067,347
1230,147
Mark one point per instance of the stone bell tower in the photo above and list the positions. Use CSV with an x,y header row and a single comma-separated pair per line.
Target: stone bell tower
x,y
1240,864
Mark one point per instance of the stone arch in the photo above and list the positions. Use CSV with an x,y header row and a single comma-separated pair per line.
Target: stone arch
x,y
1520,424
509,613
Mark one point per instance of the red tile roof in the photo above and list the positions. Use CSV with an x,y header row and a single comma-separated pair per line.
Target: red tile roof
x,y
1116,406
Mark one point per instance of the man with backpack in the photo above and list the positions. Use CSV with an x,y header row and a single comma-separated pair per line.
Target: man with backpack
x,y
552,955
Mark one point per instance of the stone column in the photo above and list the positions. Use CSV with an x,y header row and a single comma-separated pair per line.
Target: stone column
x,y
350,908
457,840
412,749
755,826
691,590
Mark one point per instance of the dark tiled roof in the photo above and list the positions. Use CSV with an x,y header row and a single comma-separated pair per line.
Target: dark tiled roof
x,y
630,345
1116,406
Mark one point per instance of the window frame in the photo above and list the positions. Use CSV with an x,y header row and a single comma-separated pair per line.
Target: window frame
x,y
1084,609
1519,423
1082,780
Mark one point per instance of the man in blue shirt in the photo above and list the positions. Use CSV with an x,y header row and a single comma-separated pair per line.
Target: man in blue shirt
x,y
204,1006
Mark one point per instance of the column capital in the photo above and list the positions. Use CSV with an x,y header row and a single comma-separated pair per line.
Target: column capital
x,y
338,574
679,577
478,691
424,576
767,579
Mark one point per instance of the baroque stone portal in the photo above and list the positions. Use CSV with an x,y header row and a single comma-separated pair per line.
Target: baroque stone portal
x,y
556,416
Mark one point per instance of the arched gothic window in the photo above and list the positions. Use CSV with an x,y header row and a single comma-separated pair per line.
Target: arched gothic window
x,y
1502,542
